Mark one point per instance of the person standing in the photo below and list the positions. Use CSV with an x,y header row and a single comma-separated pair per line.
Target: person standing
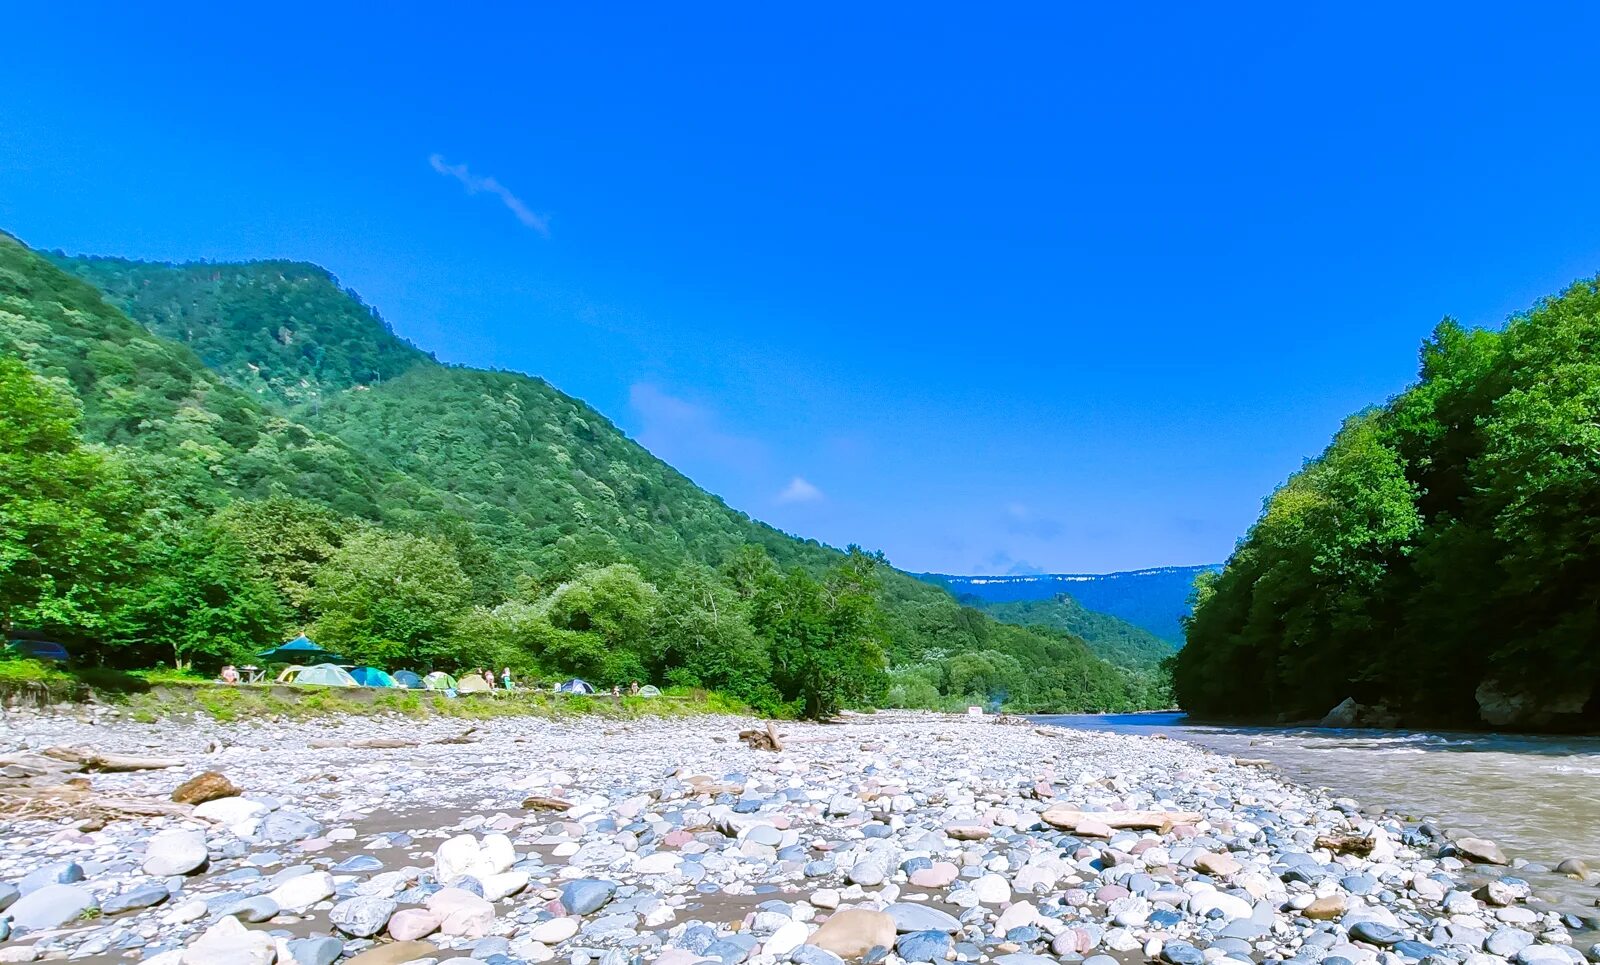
x,y
505,678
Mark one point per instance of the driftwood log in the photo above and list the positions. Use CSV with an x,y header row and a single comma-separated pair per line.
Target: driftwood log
x,y
1347,844
762,740
91,760
391,743
541,802
1091,823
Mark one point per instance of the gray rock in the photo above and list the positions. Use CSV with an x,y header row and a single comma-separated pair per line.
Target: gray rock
x,y
1183,953
586,895
60,873
361,917
1376,933
256,908
285,826
316,951
812,955
180,851
1507,942
8,894
1546,955
50,907
924,946
144,896
911,916
1481,850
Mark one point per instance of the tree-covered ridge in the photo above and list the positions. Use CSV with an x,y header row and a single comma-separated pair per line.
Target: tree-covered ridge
x,y
281,330
438,517
1115,640
207,441
1440,556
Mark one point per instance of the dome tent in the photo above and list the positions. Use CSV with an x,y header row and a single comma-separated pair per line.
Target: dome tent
x,y
649,690
576,686
326,675
407,679
439,680
372,677
471,683
289,673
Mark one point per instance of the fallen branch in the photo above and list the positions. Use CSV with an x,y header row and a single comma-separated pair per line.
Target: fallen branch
x,y
94,761
1091,821
465,737
77,801
762,740
540,802
1347,844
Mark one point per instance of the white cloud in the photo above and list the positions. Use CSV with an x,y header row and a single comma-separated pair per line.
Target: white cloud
x,y
476,183
800,491
685,433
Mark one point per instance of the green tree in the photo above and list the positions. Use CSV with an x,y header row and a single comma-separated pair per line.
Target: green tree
x,y
825,637
390,599
613,605
289,538
68,517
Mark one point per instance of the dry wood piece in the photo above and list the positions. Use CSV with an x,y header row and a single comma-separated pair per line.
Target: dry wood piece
x,y
1252,762
539,802
1347,844
1163,821
94,761
465,737
76,800
762,740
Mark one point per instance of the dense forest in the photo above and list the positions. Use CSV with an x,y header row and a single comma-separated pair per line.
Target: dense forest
x,y
1109,637
1438,562
198,461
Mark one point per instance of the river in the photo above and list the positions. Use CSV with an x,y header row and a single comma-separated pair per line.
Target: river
x,y
1537,796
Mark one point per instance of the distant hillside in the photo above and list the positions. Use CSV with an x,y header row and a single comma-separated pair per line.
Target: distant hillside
x,y
1155,599
1112,638
300,466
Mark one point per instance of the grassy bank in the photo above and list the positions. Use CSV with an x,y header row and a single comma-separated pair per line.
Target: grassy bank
x,y
152,695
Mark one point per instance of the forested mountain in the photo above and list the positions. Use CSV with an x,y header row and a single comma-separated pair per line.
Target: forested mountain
x,y
1110,637
286,463
1154,599
1440,557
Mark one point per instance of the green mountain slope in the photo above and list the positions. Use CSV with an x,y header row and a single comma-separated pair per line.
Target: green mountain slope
x,y
292,438
1111,638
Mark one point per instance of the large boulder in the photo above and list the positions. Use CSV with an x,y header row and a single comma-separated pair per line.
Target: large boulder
x,y
1349,713
179,851
205,787
1504,705
229,941
50,907
851,933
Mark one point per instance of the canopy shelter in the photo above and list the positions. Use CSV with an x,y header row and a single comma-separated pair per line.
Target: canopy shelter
x,y
407,679
439,680
576,686
300,650
471,683
372,677
649,690
325,675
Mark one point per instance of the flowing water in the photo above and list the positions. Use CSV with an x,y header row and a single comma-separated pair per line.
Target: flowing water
x,y
1537,796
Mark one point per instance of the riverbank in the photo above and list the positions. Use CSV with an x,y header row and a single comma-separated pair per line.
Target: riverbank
x,y
669,840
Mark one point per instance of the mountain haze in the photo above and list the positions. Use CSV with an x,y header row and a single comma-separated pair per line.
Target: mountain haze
x,y
1155,599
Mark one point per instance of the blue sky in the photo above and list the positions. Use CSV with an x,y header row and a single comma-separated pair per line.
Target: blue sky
x,y
1025,288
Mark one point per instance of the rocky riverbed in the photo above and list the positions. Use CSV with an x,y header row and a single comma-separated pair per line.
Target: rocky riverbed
x,y
888,838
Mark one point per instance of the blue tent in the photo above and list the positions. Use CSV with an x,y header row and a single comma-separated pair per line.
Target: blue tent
x,y
299,650
576,686
39,650
407,679
372,677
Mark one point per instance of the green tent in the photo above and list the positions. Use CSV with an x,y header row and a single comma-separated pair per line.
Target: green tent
x,y
326,675
439,680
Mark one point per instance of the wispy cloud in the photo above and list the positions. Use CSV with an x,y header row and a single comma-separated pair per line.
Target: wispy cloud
x,y
800,491
685,433
1023,521
476,184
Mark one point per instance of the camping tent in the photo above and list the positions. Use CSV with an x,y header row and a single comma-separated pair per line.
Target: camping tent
x,y
299,650
325,674
649,690
439,680
576,686
289,673
472,683
406,678
47,650
372,677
